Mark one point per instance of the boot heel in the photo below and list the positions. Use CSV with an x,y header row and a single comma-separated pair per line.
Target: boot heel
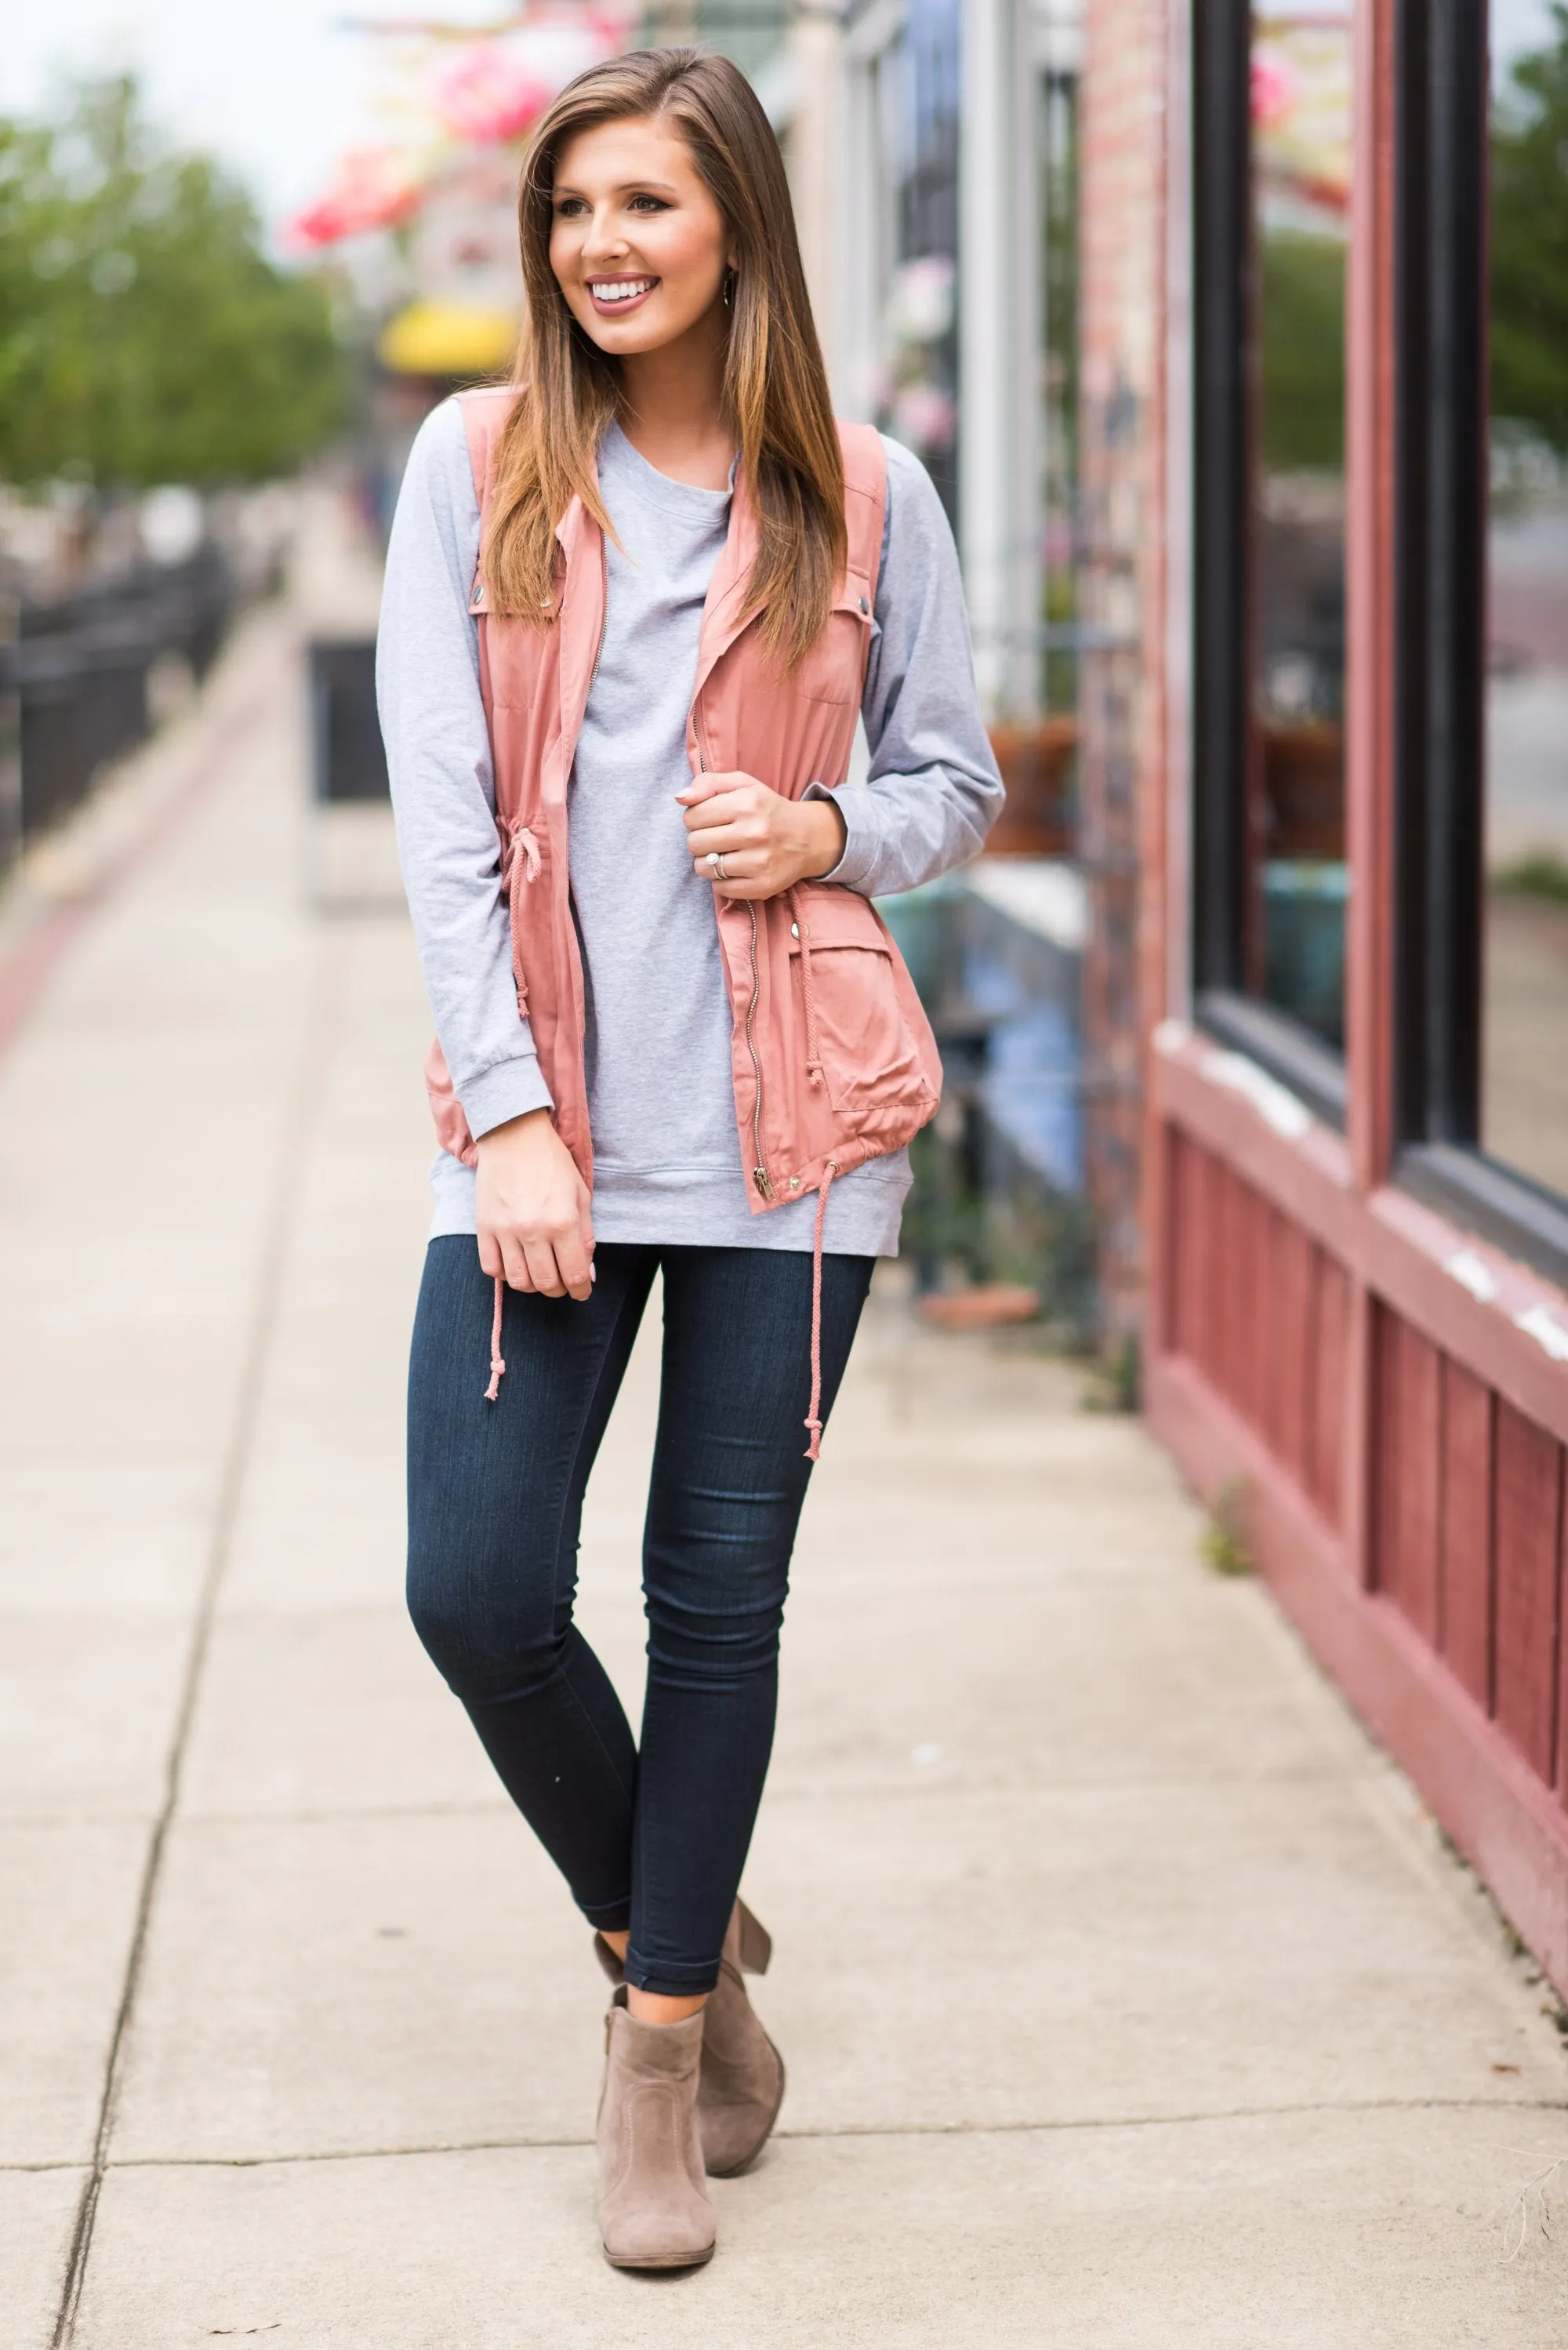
x,y
756,1942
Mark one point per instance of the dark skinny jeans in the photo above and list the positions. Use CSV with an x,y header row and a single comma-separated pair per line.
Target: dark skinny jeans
x,y
653,1840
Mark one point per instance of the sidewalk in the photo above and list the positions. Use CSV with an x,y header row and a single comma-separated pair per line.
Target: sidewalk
x,y
1127,1997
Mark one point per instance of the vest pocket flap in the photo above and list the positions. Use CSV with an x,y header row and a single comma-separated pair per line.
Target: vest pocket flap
x,y
855,596
837,918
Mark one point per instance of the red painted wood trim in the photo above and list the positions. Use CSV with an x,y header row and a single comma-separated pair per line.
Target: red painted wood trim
x,y
1468,1413
1409,1441
1309,1180
1483,1793
1358,1463
1333,1305
1389,1242
1370,596
1527,1514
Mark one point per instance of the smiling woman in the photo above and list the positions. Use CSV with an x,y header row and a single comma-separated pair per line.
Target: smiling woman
x,y
687,190
638,245
635,603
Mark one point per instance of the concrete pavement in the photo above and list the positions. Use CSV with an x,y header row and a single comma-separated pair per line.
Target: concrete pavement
x,y
1127,1996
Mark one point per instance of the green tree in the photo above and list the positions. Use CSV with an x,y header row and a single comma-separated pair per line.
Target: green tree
x,y
1529,241
1302,357
144,335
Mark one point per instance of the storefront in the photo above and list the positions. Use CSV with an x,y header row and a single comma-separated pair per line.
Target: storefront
x,y
1354,777
1284,496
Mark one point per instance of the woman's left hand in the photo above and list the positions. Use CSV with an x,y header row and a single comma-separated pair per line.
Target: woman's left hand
x,y
767,842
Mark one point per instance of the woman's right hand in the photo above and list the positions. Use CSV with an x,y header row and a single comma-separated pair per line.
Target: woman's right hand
x,y
533,1209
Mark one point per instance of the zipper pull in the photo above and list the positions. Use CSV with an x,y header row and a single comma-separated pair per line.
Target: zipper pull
x,y
764,1181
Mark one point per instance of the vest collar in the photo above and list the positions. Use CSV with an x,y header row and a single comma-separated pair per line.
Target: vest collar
x,y
723,614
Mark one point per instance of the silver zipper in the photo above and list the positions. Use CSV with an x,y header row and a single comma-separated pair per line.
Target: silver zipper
x,y
760,1176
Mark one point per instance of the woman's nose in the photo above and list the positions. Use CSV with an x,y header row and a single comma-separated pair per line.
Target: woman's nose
x,y
606,238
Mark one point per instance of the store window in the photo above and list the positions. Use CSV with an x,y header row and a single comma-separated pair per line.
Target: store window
x,y
1524,1009
1300,180
1273,180
1482,1008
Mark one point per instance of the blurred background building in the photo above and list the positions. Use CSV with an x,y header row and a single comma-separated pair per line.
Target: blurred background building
x,y
1236,342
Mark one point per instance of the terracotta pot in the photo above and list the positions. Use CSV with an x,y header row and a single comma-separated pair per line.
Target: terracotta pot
x,y
1303,785
1036,763
988,1307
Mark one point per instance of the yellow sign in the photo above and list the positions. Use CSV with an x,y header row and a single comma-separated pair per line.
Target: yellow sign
x,y
448,338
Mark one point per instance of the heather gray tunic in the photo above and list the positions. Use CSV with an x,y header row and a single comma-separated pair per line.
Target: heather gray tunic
x,y
666,1157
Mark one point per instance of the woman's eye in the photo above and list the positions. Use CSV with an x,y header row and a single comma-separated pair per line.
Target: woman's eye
x,y
647,204
569,207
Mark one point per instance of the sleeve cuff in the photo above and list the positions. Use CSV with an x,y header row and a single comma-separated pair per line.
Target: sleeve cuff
x,y
855,868
509,1090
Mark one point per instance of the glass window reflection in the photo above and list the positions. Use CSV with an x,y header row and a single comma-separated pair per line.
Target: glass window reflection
x,y
916,396
1300,98
1524,1067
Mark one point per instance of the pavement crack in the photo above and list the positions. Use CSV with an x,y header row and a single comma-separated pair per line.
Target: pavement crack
x,y
1063,2125
302,1104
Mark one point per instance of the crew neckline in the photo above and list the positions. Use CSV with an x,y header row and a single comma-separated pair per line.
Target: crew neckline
x,y
646,481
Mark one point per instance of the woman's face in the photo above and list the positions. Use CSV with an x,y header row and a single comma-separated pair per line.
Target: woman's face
x,y
637,245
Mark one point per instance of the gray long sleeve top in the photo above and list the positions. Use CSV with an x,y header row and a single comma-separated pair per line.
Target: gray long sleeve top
x,y
661,1106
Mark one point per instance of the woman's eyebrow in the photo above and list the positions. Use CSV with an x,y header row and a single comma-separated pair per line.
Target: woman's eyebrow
x,y
626,188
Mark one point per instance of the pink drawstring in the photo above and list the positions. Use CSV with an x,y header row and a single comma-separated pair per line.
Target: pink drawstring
x,y
813,1416
497,1360
514,870
813,1071
522,837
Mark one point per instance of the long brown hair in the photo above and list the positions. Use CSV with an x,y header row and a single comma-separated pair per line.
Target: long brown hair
x,y
775,386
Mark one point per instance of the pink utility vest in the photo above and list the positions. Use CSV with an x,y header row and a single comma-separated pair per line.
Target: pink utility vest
x,y
832,1056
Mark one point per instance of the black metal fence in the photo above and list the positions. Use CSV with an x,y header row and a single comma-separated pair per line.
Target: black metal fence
x,y
74,682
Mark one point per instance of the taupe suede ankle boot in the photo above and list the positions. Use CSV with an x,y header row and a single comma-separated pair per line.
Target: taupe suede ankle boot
x,y
654,2212
742,2082
742,2079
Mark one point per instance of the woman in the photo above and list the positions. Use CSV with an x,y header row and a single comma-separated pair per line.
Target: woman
x,y
633,606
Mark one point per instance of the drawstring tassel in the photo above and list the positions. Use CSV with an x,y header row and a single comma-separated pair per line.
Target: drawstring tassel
x,y
521,864
497,1360
522,837
813,1416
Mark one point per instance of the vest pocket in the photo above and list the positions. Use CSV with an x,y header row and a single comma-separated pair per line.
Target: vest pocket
x,y
848,1018
834,667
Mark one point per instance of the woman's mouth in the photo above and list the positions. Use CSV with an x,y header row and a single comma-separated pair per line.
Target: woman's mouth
x,y
612,297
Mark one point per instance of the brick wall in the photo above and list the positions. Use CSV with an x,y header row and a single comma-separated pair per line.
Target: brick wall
x,y
1121,244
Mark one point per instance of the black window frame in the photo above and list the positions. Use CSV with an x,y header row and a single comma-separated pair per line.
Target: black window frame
x,y
1443,107
1224,568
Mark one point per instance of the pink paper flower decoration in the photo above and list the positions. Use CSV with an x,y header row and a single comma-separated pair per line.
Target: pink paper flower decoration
x,y
374,187
488,95
1276,86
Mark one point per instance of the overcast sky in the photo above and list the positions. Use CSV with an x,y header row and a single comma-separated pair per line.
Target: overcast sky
x,y
278,88
1517,25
